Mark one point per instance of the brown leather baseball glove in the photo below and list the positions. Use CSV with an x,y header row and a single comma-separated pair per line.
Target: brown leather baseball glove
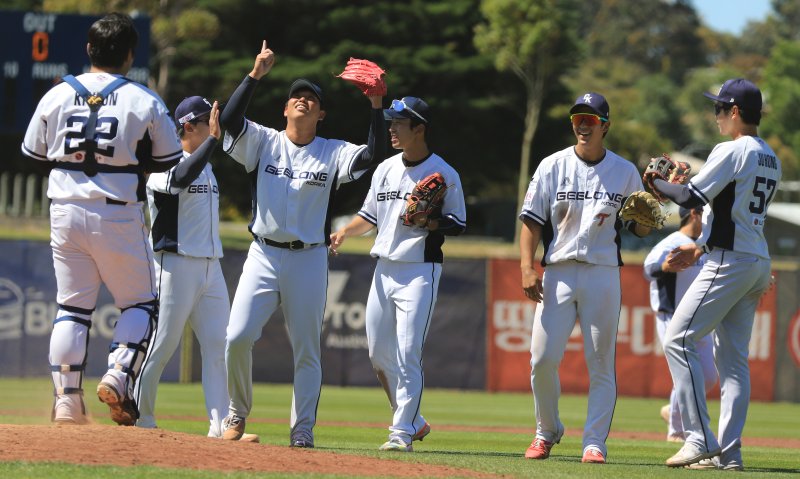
x,y
365,75
425,201
662,167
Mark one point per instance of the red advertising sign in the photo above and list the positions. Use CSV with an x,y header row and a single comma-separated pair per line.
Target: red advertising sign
x,y
641,367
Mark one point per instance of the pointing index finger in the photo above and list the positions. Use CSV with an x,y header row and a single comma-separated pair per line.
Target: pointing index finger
x,y
264,46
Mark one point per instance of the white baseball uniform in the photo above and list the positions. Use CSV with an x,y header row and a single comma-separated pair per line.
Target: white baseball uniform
x,y
666,291
577,205
287,264
97,223
185,237
737,185
405,282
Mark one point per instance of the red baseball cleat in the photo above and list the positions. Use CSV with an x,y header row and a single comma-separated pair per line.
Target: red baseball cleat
x,y
593,456
539,449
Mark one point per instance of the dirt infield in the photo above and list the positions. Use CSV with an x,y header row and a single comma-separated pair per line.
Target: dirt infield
x,y
90,445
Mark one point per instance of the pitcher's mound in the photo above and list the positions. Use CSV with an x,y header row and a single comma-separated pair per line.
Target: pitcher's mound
x,y
128,446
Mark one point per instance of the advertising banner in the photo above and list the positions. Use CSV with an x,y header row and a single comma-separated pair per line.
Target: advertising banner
x,y
641,367
28,307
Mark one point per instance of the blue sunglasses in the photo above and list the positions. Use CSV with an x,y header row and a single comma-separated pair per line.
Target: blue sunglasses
x,y
400,106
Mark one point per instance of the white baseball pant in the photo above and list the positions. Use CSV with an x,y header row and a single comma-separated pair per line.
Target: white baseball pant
x,y
723,298
296,281
591,292
399,310
194,290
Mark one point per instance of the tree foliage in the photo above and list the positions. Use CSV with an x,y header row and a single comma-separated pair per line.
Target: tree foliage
x,y
536,41
500,75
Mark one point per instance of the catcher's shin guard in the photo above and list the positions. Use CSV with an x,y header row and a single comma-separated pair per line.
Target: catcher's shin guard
x,y
69,343
132,336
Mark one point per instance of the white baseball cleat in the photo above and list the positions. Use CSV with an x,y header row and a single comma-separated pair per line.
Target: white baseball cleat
x,y
690,454
665,413
396,444
254,438
68,409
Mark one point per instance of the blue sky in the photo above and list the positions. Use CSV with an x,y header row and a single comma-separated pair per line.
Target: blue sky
x,y
731,15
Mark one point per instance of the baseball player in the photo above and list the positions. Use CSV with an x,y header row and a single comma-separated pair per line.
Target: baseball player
x,y
98,147
406,279
184,215
294,175
736,185
668,283
571,206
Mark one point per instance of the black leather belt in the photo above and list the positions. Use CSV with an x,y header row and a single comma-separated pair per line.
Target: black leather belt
x,y
110,201
292,245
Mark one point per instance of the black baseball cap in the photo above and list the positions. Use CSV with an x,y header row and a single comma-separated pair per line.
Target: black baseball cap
x,y
408,107
191,108
739,92
304,84
595,101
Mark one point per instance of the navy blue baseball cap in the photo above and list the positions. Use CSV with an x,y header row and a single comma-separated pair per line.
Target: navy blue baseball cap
x,y
595,101
303,84
408,107
684,212
740,92
191,108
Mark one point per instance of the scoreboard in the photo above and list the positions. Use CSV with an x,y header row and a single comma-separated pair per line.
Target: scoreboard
x,y
38,49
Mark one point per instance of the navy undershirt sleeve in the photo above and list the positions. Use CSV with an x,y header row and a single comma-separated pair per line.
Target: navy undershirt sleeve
x,y
189,169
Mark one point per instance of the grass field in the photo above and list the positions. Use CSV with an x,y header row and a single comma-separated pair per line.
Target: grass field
x,y
473,430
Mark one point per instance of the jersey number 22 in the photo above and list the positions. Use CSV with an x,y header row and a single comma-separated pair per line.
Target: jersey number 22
x,y
78,138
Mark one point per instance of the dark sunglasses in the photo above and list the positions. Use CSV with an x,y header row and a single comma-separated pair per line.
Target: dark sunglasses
x,y
718,107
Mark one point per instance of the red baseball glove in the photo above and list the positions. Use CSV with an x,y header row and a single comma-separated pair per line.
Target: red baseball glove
x,y
664,168
365,75
425,201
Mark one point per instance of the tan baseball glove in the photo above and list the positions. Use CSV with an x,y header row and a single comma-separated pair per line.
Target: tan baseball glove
x,y
643,208
365,75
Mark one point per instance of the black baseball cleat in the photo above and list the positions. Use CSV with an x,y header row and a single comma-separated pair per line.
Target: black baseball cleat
x,y
123,410
301,439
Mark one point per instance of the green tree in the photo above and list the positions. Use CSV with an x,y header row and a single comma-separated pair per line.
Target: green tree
x,y
663,37
781,87
536,40
177,26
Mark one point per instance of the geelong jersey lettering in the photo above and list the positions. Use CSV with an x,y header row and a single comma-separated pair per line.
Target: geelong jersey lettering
x,y
130,114
737,183
293,184
391,183
577,205
666,289
185,221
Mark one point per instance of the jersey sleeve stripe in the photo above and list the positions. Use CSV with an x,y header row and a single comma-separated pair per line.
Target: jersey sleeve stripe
x,y
368,217
241,134
456,219
176,155
33,154
533,217
697,192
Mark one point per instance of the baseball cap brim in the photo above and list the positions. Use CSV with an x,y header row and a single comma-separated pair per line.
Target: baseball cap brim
x,y
713,97
303,84
390,114
582,109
